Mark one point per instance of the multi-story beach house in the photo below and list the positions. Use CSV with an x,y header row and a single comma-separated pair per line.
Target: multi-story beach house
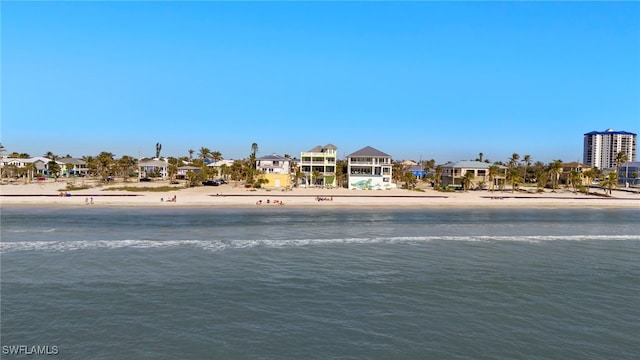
x,y
275,169
452,173
73,167
319,165
601,148
369,169
154,168
567,168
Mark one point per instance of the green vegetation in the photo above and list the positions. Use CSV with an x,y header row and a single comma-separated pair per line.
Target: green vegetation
x,y
72,187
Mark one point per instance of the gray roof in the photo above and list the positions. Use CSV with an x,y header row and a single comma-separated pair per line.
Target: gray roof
x,y
368,151
272,157
70,160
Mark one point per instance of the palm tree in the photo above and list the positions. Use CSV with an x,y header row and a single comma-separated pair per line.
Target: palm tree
x,y
236,171
104,162
342,167
398,170
191,151
54,169
555,169
204,153
254,150
493,173
437,179
513,176
216,156
527,164
589,175
50,155
467,179
576,180
31,170
158,148
513,161
126,165
622,158
609,182
542,177
316,176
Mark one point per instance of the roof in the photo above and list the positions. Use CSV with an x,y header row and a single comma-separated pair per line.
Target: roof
x,y
574,164
368,151
321,148
155,163
70,160
227,162
273,157
610,131
471,164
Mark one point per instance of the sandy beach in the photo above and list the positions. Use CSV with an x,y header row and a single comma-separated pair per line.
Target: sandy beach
x,y
54,193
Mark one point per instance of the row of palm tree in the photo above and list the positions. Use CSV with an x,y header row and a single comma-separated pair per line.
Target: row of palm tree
x,y
520,170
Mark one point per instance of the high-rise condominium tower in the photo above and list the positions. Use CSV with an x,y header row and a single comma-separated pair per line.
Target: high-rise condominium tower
x,y
601,148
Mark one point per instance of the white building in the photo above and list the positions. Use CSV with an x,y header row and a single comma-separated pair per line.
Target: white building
x,y
369,169
320,160
601,148
154,168
275,169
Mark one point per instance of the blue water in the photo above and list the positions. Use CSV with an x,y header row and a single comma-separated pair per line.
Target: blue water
x,y
280,283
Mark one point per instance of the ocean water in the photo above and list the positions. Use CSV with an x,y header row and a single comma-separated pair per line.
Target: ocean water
x,y
281,283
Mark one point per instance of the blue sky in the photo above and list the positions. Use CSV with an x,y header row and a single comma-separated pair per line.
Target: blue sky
x,y
437,80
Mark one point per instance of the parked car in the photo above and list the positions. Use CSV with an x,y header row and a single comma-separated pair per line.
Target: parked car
x,y
145,179
211,183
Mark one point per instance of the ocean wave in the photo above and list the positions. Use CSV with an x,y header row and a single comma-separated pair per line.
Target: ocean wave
x,y
31,231
218,245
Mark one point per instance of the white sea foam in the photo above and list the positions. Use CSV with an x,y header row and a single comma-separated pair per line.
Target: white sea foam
x,y
218,245
32,231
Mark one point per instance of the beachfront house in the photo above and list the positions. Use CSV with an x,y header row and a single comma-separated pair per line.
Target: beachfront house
x,y
319,166
567,168
181,174
369,169
452,173
219,166
275,169
72,167
154,168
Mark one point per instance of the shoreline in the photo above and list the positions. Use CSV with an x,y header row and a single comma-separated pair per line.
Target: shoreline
x,y
50,194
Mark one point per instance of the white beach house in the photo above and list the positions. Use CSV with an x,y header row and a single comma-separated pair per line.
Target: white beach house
x,y
369,169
